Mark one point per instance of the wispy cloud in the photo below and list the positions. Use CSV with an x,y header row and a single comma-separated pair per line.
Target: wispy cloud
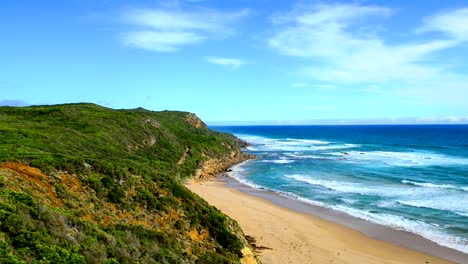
x,y
161,41
321,30
229,62
454,23
167,30
343,43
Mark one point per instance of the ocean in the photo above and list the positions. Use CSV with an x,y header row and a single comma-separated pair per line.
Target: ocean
x,y
411,178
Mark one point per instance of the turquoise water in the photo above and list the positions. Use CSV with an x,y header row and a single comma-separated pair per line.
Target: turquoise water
x,y
412,178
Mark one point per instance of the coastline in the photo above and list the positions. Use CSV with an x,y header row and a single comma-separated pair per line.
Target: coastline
x,y
298,232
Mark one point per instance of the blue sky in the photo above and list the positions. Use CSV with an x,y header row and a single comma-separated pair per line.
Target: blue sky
x,y
255,61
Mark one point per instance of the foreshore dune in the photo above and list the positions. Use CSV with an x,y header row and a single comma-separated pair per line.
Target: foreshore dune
x,y
294,237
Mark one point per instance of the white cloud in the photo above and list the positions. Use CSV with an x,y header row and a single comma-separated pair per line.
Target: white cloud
x,y
161,41
343,44
230,62
320,31
335,13
454,23
167,30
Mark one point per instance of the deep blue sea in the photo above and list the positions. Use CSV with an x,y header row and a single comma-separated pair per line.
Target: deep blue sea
x,y
412,178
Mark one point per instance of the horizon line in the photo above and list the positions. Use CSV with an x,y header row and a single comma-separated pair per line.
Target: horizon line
x,y
334,122
377,124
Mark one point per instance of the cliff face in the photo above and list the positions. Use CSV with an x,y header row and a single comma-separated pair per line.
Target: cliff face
x,y
82,183
212,167
195,121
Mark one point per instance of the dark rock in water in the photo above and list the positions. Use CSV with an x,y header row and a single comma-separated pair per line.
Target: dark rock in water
x,y
345,153
243,144
228,170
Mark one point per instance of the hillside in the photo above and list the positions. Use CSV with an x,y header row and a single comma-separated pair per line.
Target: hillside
x,y
81,183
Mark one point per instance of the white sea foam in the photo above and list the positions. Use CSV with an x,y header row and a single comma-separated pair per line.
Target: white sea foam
x,y
349,187
433,185
299,198
285,146
309,201
401,158
429,231
300,155
343,146
255,140
240,167
247,182
309,141
439,199
428,185
386,203
290,144
238,173
349,200
279,161
388,158
462,214
446,202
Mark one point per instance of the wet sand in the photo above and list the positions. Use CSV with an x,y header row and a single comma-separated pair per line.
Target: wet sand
x,y
302,233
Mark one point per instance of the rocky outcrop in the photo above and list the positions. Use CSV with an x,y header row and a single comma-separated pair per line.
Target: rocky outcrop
x,y
195,121
212,167
149,141
242,144
152,123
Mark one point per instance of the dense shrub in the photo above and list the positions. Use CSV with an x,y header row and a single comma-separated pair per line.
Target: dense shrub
x,y
116,195
124,159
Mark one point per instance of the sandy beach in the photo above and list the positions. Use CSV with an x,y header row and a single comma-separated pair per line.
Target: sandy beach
x,y
296,237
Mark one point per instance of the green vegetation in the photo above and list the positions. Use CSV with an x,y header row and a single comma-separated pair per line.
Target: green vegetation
x,y
110,187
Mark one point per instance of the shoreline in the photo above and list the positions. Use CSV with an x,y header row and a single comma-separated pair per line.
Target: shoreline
x,y
373,243
380,232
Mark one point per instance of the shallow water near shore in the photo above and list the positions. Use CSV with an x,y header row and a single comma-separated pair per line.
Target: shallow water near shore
x,y
409,178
